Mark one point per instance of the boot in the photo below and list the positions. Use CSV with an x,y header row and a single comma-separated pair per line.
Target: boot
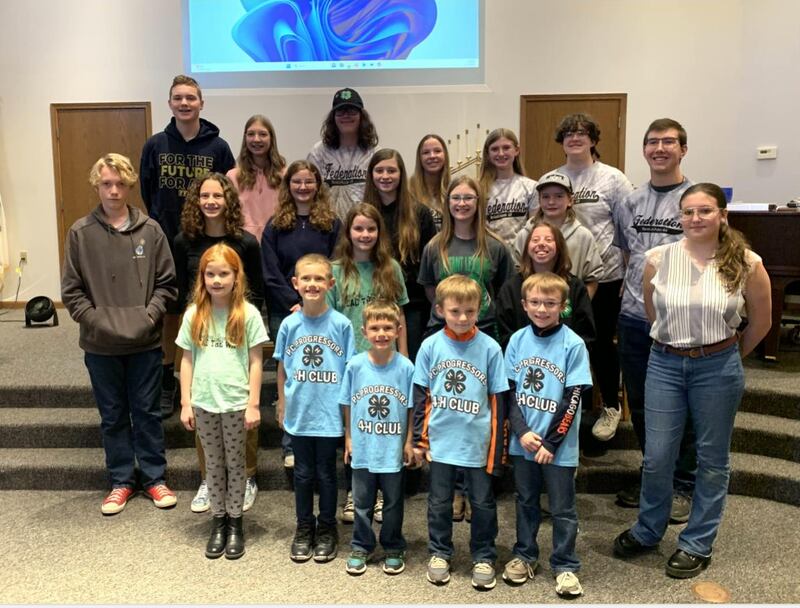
x,y
219,536
235,547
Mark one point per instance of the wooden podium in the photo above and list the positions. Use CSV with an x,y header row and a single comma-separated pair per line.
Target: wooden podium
x,y
775,236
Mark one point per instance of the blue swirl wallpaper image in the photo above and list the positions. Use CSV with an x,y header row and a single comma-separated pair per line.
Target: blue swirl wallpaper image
x,y
333,30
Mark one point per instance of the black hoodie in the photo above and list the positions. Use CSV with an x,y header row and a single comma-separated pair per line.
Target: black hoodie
x,y
117,283
170,163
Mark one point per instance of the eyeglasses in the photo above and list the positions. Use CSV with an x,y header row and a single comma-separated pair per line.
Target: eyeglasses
x,y
703,212
576,133
666,142
548,304
466,198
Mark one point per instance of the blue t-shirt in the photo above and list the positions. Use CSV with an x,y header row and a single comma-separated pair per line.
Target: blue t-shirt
x,y
543,367
314,352
460,375
379,397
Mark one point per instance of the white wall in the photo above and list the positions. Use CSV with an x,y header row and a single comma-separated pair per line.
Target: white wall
x,y
725,68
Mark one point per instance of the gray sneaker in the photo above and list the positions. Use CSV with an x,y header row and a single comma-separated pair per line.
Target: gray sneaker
x,y
201,502
250,493
483,576
606,426
348,510
518,571
681,507
438,570
568,585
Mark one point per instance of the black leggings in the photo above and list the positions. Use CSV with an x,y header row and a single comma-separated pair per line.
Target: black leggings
x,y
603,351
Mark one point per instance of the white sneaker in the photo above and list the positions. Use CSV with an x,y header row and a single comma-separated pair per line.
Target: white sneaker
x,y
200,502
288,461
250,493
568,585
348,510
606,426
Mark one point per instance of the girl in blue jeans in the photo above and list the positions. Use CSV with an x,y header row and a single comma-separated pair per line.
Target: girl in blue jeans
x,y
693,291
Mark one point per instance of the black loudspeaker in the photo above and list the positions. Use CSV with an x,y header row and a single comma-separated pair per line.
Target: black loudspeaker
x,y
39,310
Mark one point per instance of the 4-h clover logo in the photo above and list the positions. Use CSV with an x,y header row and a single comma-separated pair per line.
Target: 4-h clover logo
x,y
312,355
533,378
346,94
378,406
454,381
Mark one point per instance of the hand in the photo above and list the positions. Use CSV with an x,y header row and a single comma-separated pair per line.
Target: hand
x,y
543,456
530,441
279,413
296,307
421,454
252,417
348,450
409,459
187,417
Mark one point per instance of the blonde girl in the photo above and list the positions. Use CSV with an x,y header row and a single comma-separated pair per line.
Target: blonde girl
x,y
509,193
257,175
431,175
221,335
410,227
466,246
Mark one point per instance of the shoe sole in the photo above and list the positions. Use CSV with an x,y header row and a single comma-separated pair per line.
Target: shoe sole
x,y
393,571
301,558
214,555
321,559
486,586
114,512
200,509
515,581
568,595
236,556
457,518
674,573
165,506
442,581
678,520
600,438
353,572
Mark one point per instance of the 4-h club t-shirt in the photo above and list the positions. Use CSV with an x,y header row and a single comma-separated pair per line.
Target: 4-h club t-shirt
x,y
542,367
461,422
314,352
379,397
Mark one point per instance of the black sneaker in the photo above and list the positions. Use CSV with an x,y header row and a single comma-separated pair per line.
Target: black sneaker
x,y
686,565
626,545
327,543
303,543
629,497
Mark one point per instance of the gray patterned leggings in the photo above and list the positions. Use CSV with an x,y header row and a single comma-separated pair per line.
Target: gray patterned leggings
x,y
222,436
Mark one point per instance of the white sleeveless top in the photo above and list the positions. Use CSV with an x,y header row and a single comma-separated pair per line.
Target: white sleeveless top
x,y
692,306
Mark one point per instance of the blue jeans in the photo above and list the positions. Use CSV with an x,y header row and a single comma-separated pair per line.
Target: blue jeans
x,y
483,530
633,336
365,490
710,389
528,478
127,389
315,458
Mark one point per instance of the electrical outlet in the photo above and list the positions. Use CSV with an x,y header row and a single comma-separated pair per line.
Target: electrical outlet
x,y
23,257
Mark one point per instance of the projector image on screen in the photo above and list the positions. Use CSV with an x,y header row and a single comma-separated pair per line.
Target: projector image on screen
x,y
234,36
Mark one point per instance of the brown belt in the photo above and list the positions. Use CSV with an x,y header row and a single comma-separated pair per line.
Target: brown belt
x,y
698,351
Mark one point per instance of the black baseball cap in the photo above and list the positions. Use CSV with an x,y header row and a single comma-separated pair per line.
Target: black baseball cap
x,y
347,97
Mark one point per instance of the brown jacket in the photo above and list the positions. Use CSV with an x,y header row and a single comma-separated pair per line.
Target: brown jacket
x,y
117,283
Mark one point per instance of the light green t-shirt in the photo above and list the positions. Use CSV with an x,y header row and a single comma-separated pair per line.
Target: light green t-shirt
x,y
220,378
353,308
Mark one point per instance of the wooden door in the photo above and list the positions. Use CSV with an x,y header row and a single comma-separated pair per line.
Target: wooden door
x,y
541,114
82,133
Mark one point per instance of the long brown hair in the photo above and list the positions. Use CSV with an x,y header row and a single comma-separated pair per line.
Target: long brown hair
x,y
321,215
443,239
407,226
488,172
248,169
193,222
202,320
730,255
561,263
385,285
420,191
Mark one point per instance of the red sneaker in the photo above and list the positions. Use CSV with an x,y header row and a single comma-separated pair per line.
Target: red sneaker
x,y
116,500
162,496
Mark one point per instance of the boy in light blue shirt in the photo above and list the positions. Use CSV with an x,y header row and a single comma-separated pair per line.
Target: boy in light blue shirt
x,y
377,410
312,348
548,368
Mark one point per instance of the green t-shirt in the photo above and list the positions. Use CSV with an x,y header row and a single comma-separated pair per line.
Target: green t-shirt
x,y
353,308
220,374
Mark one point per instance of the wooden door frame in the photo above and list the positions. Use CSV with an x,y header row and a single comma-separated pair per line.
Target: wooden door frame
x,y
54,110
623,114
